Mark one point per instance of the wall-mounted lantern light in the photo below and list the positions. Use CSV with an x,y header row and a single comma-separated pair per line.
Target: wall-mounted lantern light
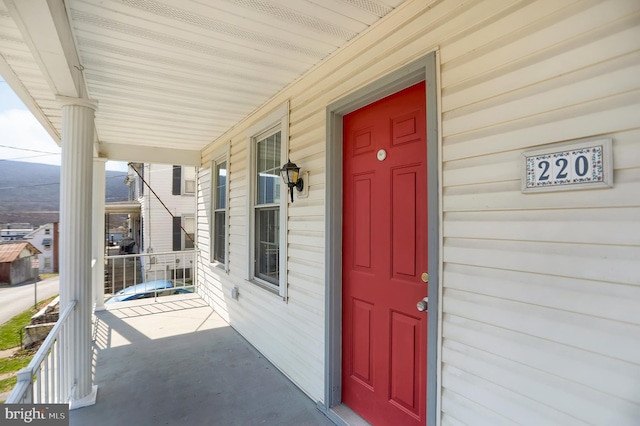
x,y
290,173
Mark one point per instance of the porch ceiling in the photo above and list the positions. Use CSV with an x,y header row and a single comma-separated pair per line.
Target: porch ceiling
x,y
168,74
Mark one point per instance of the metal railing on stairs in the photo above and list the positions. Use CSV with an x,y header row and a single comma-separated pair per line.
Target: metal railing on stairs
x,y
48,377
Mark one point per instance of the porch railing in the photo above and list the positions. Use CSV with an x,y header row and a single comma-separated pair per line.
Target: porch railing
x,y
122,271
48,379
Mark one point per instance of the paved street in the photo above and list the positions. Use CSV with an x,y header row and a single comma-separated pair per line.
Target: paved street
x,y
17,298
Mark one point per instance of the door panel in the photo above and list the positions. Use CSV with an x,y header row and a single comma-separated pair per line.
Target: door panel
x,y
384,256
405,356
362,220
403,222
362,343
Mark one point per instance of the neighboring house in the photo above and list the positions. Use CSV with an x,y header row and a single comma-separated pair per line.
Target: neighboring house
x,y
15,231
167,218
483,154
45,239
16,262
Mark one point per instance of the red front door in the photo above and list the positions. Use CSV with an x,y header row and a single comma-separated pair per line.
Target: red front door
x,y
384,337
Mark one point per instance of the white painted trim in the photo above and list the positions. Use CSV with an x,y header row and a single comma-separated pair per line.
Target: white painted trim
x,y
271,119
70,101
150,154
278,118
284,210
223,154
98,237
46,31
193,217
86,401
183,182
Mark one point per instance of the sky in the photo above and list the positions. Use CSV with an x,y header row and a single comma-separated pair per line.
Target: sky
x,y
20,129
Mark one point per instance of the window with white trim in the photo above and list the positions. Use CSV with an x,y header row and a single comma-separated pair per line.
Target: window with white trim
x,y
219,202
189,180
189,234
267,208
183,180
268,203
183,228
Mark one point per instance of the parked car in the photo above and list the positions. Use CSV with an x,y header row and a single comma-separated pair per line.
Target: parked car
x,y
145,290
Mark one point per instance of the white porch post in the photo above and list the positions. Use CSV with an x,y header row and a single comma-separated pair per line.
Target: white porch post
x,y
98,232
76,175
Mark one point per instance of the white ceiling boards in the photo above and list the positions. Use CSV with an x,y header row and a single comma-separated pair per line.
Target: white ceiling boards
x,y
169,73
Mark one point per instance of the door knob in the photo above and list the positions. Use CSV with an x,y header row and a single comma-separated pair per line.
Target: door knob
x,y
425,277
423,305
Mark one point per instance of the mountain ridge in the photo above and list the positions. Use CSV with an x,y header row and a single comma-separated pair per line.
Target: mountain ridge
x,y
30,192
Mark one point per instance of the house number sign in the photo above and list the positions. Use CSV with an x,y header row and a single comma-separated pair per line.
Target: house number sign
x,y
569,166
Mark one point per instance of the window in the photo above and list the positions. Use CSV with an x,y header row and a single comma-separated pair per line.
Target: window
x,y
180,239
219,171
46,242
189,174
267,216
47,262
47,231
267,208
183,180
189,225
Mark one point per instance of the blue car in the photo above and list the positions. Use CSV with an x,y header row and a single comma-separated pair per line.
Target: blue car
x,y
145,290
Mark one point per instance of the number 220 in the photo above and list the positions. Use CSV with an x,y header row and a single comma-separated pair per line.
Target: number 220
x,y
581,167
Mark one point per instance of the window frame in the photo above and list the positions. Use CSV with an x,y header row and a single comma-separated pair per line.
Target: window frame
x,y
277,120
220,157
184,181
183,218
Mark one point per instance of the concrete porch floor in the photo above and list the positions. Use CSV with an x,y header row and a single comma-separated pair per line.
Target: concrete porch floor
x,y
176,362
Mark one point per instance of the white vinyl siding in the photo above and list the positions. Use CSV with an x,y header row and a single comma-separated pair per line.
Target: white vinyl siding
x,y
540,292
157,222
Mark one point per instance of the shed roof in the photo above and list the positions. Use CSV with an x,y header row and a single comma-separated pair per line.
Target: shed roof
x,y
10,250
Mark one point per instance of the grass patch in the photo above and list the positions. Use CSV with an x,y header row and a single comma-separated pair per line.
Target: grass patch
x,y
10,331
9,365
7,384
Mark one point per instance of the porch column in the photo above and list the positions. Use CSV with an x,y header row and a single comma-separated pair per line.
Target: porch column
x,y
76,175
98,232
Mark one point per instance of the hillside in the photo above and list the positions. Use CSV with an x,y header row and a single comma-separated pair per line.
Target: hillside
x,y
30,192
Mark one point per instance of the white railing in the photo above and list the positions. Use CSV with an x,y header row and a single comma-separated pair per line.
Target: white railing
x,y
124,271
47,378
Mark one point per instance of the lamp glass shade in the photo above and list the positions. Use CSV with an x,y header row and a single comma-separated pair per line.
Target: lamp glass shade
x,y
290,172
